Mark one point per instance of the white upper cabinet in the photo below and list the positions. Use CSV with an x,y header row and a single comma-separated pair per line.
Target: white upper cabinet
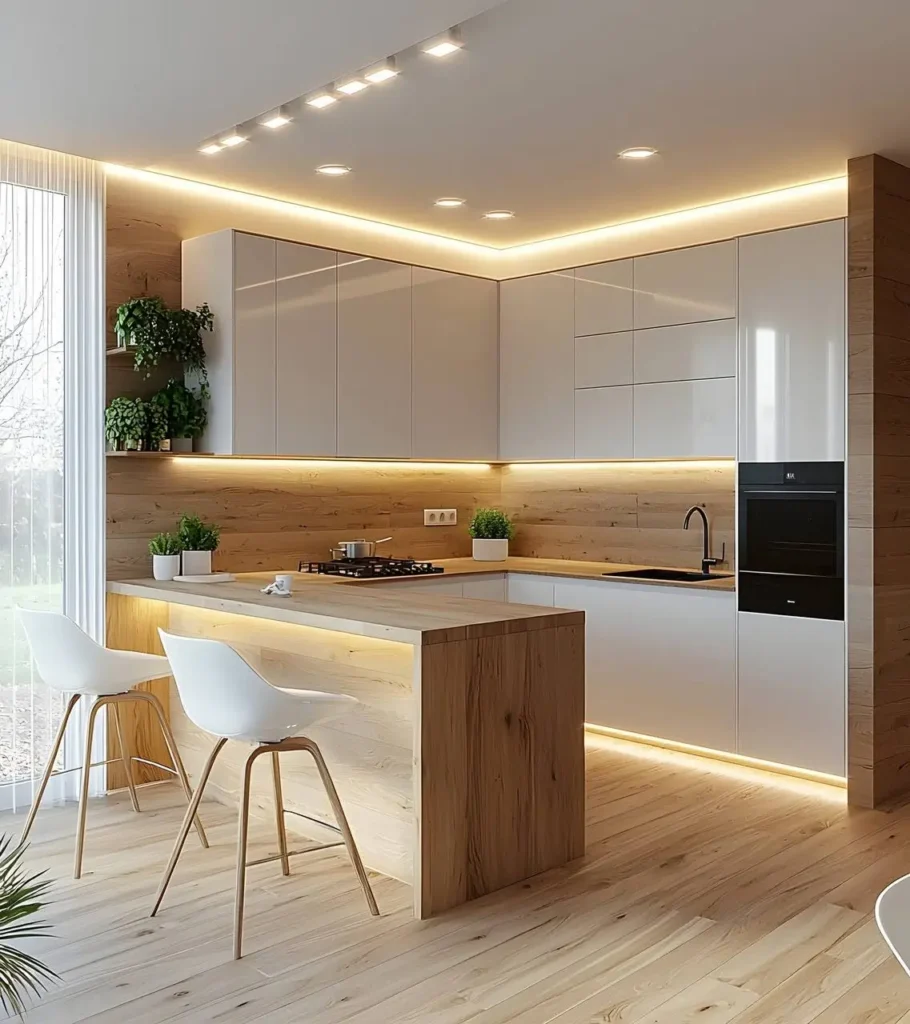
x,y
603,298
307,350
686,352
254,345
455,391
602,360
536,368
685,419
791,344
374,358
685,286
603,423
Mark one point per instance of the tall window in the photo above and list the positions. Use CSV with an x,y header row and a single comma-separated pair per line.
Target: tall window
x,y
31,467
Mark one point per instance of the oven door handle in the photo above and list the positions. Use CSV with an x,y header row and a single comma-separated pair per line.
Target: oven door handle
x,y
787,494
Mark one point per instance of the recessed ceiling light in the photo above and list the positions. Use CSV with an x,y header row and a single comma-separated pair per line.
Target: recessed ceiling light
x,y
449,201
352,85
232,138
499,215
210,148
637,153
382,71
276,118
322,99
333,170
442,46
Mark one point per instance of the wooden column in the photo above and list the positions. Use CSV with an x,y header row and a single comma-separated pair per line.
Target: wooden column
x,y
878,467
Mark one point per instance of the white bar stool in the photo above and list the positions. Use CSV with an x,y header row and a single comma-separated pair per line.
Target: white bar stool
x,y
892,915
69,660
225,696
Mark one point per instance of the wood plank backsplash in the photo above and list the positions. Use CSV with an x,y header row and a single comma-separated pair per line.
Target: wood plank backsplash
x,y
275,512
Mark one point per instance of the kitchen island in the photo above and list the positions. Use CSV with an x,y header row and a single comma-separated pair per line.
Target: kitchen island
x,y
462,768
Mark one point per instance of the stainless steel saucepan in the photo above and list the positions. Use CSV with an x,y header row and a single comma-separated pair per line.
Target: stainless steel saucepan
x,y
357,548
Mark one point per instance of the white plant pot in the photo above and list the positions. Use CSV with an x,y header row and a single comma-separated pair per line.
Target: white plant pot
x,y
197,563
487,550
165,567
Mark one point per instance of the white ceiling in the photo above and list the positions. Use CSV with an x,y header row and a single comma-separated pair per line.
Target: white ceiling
x,y
740,96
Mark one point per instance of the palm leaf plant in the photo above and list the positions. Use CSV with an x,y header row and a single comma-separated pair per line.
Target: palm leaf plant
x,y
21,897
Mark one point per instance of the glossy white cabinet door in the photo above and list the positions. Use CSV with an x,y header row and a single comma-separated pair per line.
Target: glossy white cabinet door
x,y
255,370
792,691
685,419
791,344
686,352
307,350
374,358
686,285
661,661
455,391
603,298
530,589
434,585
602,360
485,588
536,372
603,423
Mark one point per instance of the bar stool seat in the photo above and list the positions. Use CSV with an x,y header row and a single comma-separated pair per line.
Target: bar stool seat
x,y
69,660
892,915
224,695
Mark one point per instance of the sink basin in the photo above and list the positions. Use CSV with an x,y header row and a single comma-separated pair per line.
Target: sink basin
x,y
674,575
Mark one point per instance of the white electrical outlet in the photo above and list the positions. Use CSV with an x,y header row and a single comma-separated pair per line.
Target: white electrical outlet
x,y
440,516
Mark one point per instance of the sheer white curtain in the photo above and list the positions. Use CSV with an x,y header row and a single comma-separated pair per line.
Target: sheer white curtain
x,y
51,443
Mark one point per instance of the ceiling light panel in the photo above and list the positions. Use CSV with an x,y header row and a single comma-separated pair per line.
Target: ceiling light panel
x,y
382,72
442,46
321,100
232,138
449,201
637,153
498,215
276,118
333,170
210,148
352,86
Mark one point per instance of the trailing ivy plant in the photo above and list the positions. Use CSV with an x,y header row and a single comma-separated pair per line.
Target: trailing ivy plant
x,y
183,408
196,535
126,423
133,315
173,334
21,897
491,524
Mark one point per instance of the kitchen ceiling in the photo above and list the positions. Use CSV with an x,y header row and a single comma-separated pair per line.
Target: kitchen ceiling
x,y
738,97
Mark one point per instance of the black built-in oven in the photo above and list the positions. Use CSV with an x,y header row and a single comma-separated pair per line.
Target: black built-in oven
x,y
791,538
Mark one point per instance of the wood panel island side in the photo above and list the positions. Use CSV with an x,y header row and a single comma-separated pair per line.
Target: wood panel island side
x,y
462,768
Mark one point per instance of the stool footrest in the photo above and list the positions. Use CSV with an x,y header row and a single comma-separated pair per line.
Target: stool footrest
x,y
292,853
315,821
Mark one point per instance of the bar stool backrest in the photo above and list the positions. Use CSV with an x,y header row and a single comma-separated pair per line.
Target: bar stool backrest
x,y
67,658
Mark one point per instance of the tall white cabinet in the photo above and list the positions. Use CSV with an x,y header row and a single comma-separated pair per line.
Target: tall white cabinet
x,y
792,344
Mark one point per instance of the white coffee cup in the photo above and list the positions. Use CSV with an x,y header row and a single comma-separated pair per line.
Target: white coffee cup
x,y
284,582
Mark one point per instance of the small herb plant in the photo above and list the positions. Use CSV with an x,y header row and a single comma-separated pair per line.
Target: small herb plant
x,y
183,409
133,315
126,423
196,535
165,544
491,524
21,896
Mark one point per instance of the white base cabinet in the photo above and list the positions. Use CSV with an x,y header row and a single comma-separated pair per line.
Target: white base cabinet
x,y
792,691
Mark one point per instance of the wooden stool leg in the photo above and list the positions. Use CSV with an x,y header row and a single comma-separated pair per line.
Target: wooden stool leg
x,y
279,816
49,768
243,825
177,762
187,825
124,754
342,820
83,793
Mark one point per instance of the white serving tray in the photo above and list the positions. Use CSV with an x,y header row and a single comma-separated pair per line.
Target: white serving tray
x,y
211,577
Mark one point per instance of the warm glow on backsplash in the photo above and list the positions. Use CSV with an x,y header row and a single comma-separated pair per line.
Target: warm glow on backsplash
x,y
275,512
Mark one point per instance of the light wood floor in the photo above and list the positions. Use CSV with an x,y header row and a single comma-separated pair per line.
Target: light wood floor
x,y
707,894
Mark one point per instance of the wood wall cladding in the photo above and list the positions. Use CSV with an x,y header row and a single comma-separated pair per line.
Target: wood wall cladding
x,y
620,512
878,463
143,258
275,512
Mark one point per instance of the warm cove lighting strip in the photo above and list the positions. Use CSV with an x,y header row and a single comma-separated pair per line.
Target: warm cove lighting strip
x,y
740,760
328,461
732,208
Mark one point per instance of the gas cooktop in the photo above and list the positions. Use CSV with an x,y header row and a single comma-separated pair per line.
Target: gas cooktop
x,y
371,568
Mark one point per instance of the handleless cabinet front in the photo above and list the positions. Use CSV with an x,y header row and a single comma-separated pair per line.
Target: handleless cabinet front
x,y
254,393
791,344
686,286
374,358
307,350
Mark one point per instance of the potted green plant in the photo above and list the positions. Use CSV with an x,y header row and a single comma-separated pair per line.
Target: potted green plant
x,y
184,410
197,541
165,551
21,896
126,424
174,334
492,530
156,427
134,314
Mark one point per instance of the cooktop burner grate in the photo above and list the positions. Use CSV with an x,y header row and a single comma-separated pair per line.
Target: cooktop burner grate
x,y
371,568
